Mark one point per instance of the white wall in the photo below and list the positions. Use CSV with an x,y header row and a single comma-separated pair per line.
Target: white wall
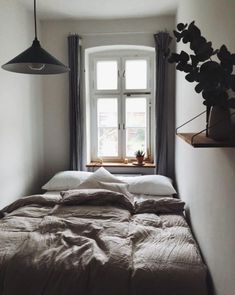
x,y
21,133
206,177
93,33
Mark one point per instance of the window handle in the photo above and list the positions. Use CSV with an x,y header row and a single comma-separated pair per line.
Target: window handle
x,y
123,126
136,93
118,73
119,126
124,74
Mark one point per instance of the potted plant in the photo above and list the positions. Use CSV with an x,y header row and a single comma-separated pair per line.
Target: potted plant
x,y
214,77
139,156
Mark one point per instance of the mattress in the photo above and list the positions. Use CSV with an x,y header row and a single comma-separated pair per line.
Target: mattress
x,y
81,245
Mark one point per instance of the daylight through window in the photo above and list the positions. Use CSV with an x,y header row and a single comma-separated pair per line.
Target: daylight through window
x,y
121,89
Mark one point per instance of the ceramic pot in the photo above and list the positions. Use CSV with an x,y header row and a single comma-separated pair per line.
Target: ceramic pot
x,y
140,160
220,123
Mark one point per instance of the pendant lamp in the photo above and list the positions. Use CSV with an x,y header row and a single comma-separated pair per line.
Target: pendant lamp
x,y
35,60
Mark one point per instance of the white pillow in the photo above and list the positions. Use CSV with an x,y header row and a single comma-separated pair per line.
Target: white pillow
x,y
114,187
150,185
66,180
103,175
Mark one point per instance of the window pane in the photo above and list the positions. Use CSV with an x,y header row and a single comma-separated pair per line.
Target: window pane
x,y
107,142
107,78
135,140
107,112
136,74
136,112
107,127
136,120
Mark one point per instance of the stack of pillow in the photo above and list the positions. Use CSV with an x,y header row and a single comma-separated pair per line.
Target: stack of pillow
x,y
153,185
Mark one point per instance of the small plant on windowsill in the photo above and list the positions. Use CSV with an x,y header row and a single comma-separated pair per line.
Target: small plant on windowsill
x,y
140,156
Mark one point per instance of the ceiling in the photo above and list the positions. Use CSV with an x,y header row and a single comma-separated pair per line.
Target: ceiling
x,y
101,9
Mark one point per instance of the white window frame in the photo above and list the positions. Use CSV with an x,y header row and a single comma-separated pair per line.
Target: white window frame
x,y
94,125
148,117
148,89
94,80
121,94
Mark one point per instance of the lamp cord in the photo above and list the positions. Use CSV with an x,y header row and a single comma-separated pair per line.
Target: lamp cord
x,y
35,20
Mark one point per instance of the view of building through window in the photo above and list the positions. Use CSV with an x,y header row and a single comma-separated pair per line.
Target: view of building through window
x,y
136,131
107,115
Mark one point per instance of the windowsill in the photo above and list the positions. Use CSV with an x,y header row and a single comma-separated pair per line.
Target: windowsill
x,y
120,164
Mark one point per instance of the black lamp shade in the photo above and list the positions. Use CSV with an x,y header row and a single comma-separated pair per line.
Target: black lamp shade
x,y
35,60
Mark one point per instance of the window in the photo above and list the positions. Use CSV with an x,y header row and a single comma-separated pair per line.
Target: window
x,y
120,90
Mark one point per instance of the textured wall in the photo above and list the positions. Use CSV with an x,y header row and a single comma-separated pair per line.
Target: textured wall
x,y
205,177
21,117
93,33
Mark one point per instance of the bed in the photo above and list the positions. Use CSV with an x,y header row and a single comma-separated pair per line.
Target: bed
x,y
97,241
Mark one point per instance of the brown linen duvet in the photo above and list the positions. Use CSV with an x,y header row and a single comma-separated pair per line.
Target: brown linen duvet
x,y
96,242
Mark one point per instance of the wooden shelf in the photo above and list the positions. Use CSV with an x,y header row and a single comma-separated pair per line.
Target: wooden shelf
x,y
112,164
201,141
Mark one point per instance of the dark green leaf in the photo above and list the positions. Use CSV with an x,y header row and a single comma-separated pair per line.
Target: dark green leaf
x,y
204,52
184,57
178,36
181,26
180,66
194,60
190,77
196,43
223,53
188,68
199,88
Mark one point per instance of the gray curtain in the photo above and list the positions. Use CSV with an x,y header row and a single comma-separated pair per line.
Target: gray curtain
x,y
75,103
165,109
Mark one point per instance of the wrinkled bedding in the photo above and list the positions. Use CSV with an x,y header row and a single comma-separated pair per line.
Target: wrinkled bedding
x,y
75,244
